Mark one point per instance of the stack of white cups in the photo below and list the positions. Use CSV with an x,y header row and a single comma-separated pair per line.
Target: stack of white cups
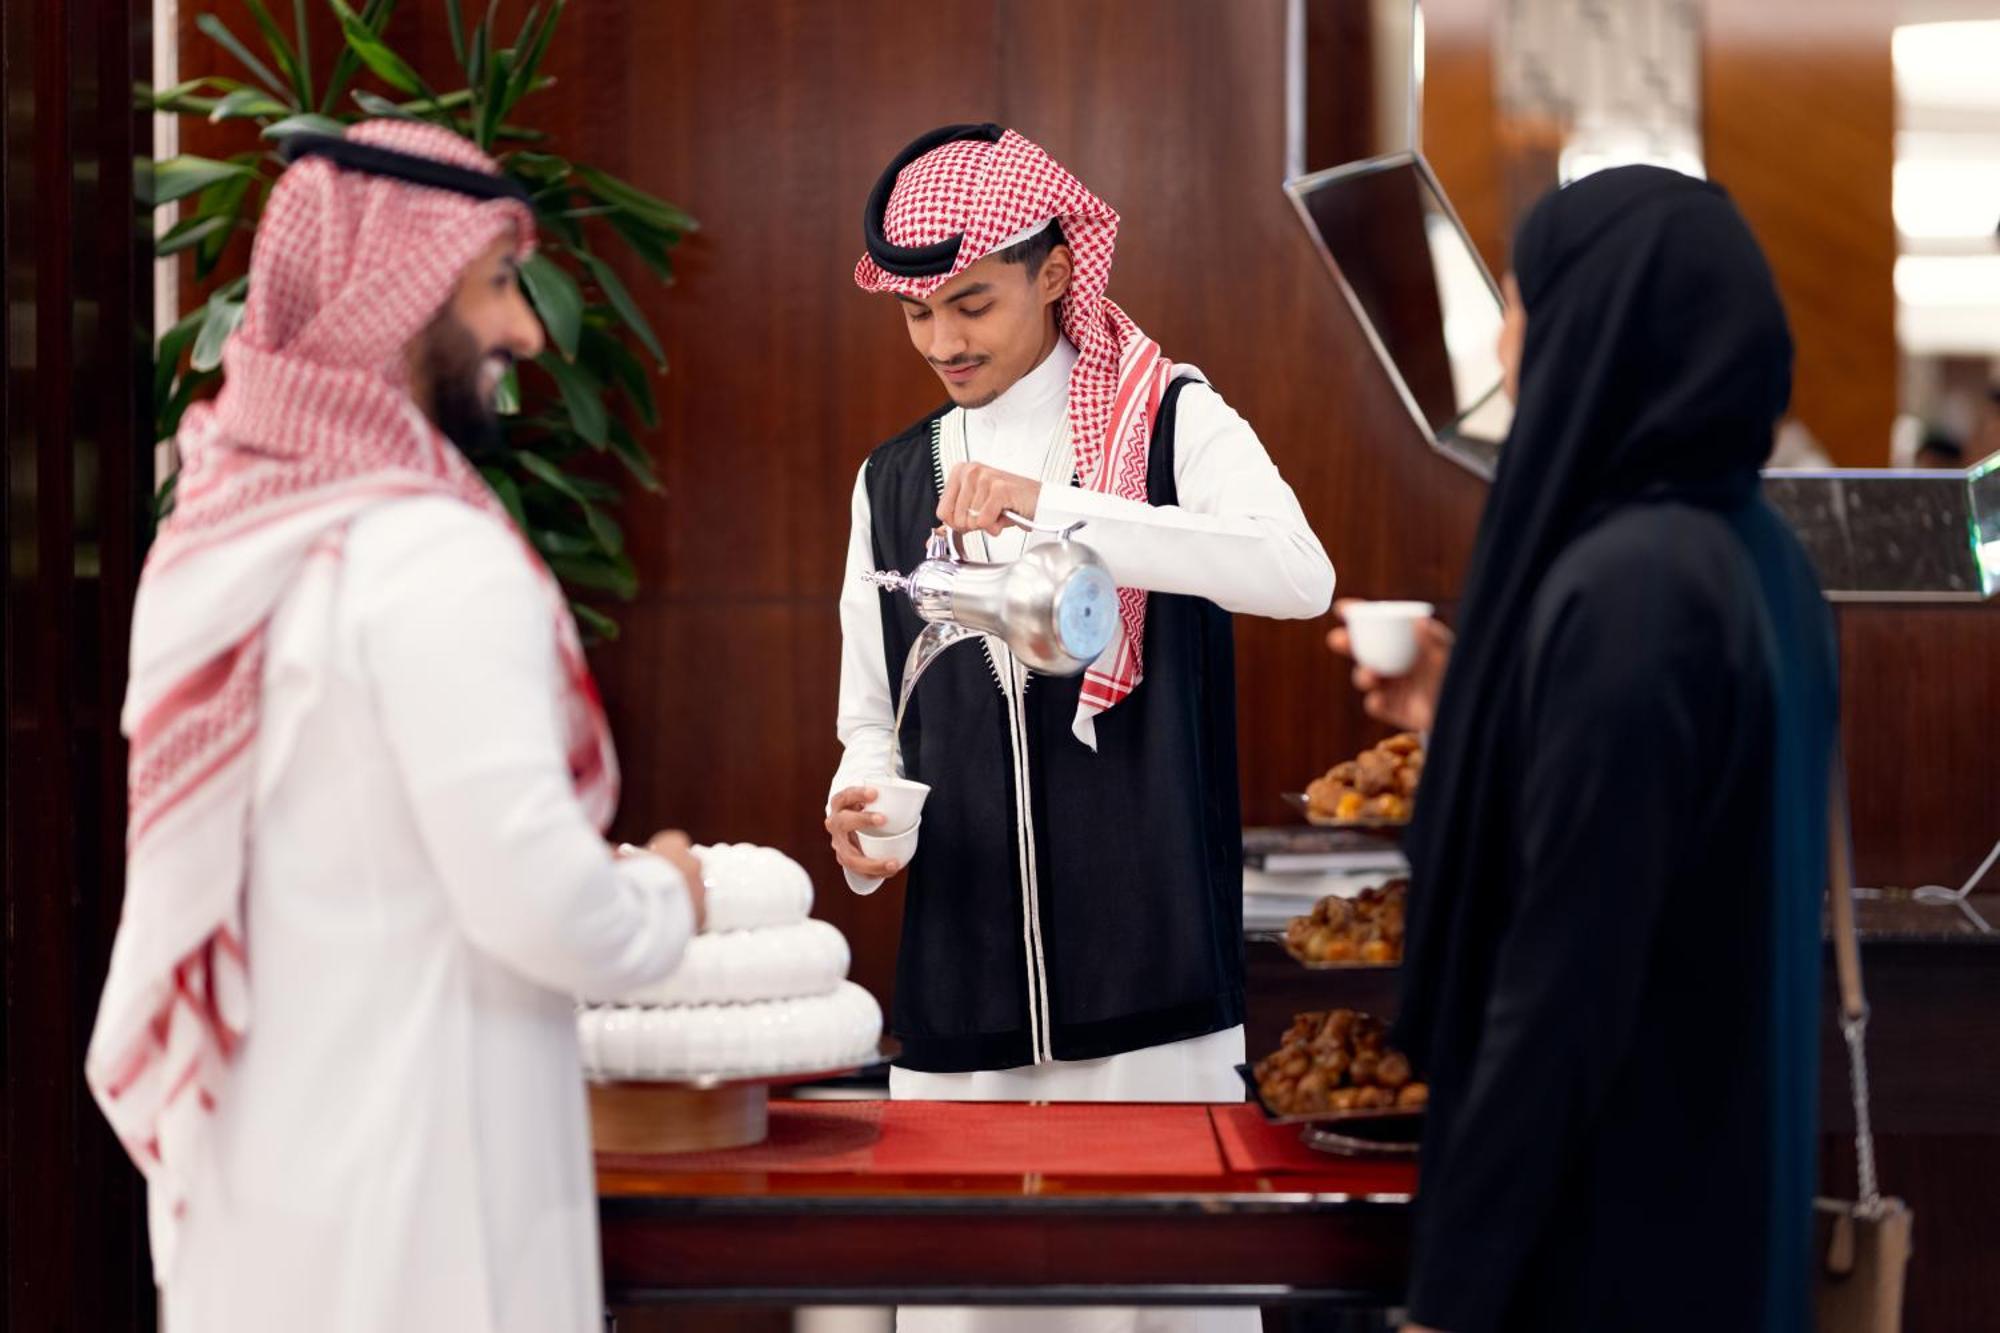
x,y
900,802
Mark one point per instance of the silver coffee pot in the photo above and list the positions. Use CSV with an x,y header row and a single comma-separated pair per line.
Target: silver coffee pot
x,y
1055,607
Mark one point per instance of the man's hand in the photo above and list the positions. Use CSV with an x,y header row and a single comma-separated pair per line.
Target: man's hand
x,y
977,497
674,848
1408,701
848,813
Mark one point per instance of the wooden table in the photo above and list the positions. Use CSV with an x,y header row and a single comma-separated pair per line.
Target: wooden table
x,y
905,1218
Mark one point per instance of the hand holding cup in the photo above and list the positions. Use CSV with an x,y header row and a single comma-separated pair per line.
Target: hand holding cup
x,y
1400,653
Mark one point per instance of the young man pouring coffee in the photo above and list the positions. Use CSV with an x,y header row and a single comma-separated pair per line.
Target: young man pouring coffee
x,y
1073,923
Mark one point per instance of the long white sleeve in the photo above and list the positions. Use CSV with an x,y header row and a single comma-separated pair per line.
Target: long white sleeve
x,y
1237,537
867,715
456,641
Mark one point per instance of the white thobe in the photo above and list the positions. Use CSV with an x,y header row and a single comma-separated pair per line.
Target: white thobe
x,y
403,1142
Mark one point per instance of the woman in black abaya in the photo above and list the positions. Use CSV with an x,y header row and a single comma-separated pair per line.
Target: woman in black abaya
x,y
1619,848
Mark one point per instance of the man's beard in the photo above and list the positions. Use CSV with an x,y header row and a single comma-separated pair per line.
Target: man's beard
x,y
452,360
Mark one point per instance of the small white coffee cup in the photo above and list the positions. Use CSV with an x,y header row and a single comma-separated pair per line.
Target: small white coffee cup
x,y
899,801
1384,634
898,847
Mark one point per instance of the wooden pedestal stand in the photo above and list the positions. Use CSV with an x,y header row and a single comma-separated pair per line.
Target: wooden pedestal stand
x,y
699,1115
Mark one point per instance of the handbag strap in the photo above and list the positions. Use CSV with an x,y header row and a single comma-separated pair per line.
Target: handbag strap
x,y
1847,964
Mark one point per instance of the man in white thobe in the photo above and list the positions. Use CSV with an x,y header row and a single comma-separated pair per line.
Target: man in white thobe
x,y
369,774
1073,921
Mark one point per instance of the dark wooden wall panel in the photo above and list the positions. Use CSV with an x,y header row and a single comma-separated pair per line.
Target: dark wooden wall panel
x,y
78,299
1922,715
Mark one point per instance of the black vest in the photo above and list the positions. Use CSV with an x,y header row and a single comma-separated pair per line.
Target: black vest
x,y
1103,913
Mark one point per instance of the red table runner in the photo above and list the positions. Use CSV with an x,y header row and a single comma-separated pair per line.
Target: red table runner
x,y
1059,1139
962,1139
1021,1139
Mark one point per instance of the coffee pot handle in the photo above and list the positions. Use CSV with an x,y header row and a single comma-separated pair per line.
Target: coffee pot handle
x,y
943,545
1062,531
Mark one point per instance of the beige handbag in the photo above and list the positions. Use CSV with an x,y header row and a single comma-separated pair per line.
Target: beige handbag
x,y
1860,1249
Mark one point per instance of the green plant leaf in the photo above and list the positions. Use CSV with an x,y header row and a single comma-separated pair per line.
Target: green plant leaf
x,y
593,624
538,169
651,209
426,106
377,54
609,535
223,199
167,355
612,575
190,385
635,458
456,19
377,105
303,28
582,395
558,300
347,64
499,68
621,301
218,32
180,100
552,542
163,499
612,361
177,339
503,486
162,182
282,53
185,235
529,51
247,104
507,398
549,475
650,245
305,122
516,57
567,230
219,319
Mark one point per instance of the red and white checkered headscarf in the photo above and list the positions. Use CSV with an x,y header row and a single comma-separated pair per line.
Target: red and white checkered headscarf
x,y
990,193
313,426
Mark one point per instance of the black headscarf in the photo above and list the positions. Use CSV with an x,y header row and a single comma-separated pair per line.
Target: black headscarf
x,y
1656,365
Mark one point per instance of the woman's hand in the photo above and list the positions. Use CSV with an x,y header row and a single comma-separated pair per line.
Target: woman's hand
x,y
1409,701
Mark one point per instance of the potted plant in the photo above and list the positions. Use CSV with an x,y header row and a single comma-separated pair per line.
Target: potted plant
x,y
578,399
